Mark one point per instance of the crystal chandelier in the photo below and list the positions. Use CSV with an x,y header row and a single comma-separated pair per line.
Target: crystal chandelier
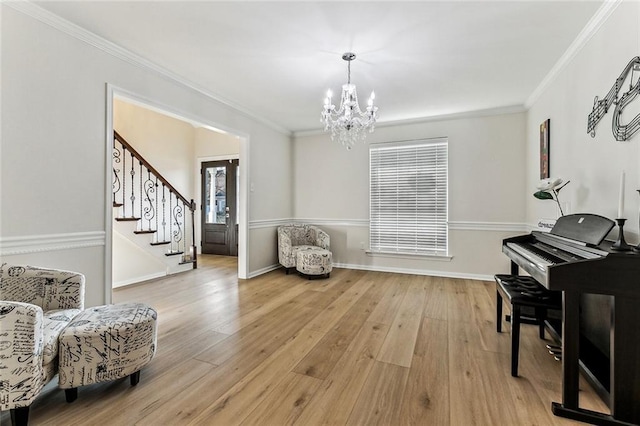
x,y
348,123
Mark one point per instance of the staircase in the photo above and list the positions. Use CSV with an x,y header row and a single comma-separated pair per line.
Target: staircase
x,y
150,213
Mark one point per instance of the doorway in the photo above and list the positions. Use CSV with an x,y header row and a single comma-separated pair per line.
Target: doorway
x,y
220,194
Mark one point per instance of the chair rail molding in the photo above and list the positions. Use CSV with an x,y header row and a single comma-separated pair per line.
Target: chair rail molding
x,y
487,226
364,223
50,242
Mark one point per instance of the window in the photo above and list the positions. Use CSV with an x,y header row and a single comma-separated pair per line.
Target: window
x,y
408,199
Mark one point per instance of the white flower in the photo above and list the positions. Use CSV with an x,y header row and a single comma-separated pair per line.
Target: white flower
x,y
549,184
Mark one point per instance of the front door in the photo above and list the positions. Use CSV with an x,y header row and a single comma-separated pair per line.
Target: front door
x,y
219,207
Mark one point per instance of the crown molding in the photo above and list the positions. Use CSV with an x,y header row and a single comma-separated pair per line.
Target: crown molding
x,y
510,109
119,52
574,48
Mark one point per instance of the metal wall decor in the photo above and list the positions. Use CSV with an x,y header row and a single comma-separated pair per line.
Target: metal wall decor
x,y
621,132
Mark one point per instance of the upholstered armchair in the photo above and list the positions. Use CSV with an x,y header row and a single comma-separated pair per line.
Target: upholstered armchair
x,y
36,304
294,237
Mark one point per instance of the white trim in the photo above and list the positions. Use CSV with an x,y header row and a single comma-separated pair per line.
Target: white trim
x,y
363,223
138,280
263,270
119,52
243,220
488,226
445,274
439,258
52,242
594,24
335,222
269,223
108,182
511,109
200,160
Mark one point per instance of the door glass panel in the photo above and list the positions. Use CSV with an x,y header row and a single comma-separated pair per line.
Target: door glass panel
x,y
216,195
237,193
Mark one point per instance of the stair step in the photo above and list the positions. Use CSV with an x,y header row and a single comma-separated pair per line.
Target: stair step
x,y
127,219
117,204
147,231
174,253
184,262
160,243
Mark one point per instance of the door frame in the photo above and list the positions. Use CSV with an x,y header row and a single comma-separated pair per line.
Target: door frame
x,y
113,91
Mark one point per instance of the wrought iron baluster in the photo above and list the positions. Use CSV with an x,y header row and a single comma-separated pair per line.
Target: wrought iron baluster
x,y
140,188
133,196
164,215
116,184
124,181
170,224
157,236
149,190
177,235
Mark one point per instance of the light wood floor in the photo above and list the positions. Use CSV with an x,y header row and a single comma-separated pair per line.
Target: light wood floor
x,y
360,348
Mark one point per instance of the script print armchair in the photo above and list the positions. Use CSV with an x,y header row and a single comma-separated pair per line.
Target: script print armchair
x,y
294,237
36,304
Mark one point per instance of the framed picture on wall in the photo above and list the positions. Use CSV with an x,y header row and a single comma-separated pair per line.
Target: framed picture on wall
x,y
544,149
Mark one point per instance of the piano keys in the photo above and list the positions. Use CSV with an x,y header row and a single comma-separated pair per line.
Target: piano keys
x,y
575,259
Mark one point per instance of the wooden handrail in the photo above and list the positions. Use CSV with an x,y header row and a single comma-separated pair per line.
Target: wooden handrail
x,y
140,158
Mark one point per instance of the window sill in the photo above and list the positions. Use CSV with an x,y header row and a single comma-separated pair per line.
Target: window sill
x,y
440,258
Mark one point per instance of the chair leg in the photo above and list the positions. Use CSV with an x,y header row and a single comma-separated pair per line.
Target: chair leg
x,y
498,312
20,416
71,394
515,339
541,315
135,378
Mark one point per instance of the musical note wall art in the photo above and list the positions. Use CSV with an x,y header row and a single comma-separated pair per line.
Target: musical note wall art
x,y
621,132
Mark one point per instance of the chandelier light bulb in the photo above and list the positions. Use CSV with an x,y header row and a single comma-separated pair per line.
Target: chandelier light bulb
x,y
348,123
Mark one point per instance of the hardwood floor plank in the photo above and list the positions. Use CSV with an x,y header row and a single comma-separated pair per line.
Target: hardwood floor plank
x,y
238,402
436,299
388,307
333,402
323,358
381,396
426,396
328,317
398,346
286,402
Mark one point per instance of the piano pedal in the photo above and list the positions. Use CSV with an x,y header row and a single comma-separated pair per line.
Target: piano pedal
x,y
554,347
558,357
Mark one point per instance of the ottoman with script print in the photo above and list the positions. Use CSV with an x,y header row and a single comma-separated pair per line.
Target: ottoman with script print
x,y
106,343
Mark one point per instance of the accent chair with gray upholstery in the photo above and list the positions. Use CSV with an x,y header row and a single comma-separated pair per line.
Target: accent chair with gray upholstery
x,y
293,239
36,304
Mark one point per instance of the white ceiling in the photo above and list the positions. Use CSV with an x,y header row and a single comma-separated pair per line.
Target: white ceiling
x,y
277,59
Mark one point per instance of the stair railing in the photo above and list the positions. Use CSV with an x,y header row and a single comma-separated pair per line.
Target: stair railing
x,y
147,198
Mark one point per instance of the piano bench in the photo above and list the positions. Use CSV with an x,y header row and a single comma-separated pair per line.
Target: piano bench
x,y
522,291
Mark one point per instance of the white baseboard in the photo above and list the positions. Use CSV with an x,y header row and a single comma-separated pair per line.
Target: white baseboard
x,y
137,280
445,274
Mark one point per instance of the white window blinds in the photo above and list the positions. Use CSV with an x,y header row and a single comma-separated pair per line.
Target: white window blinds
x,y
409,197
